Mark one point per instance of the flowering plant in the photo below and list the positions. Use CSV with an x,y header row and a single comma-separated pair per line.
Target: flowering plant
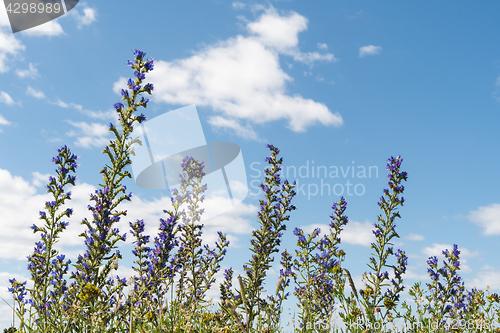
x,y
266,242
318,275
176,262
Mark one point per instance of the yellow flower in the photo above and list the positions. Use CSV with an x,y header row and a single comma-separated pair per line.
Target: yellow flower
x,y
356,312
366,291
389,303
89,292
493,298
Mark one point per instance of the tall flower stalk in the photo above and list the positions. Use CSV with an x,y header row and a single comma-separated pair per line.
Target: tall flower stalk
x,y
47,267
444,302
162,263
385,230
92,285
197,264
265,242
317,272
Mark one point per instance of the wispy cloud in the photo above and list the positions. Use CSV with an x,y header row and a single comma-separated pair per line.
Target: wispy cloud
x,y
410,275
369,50
355,233
87,18
322,46
415,237
5,98
89,135
9,47
4,121
39,179
238,5
34,93
68,105
488,218
51,135
487,276
322,79
110,114
105,115
246,132
31,72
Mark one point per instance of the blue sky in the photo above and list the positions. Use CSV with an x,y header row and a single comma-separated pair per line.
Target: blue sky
x,y
340,84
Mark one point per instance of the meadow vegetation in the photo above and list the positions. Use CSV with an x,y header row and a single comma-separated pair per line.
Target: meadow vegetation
x,y
174,271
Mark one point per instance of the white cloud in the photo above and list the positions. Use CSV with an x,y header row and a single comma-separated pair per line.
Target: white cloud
x,y
369,50
322,46
245,132
410,275
488,218
34,93
322,79
280,33
6,308
358,233
51,136
238,5
51,28
110,114
487,276
9,46
121,83
232,223
311,57
355,233
39,179
32,72
415,237
4,121
242,78
20,202
89,135
5,98
88,17
68,105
